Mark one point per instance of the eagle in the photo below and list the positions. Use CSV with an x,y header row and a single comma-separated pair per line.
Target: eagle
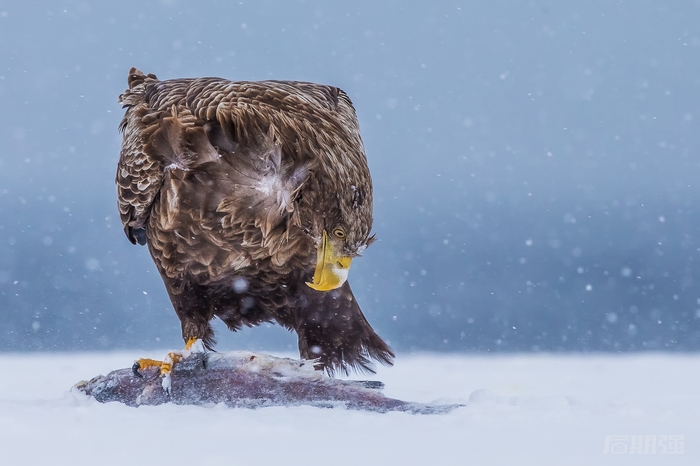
x,y
253,199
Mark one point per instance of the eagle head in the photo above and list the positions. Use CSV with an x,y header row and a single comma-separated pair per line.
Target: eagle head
x,y
344,233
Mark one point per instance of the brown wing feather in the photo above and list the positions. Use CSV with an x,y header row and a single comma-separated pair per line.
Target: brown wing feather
x,y
163,117
139,174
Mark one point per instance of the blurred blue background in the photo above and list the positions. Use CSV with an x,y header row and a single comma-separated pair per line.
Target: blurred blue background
x,y
535,165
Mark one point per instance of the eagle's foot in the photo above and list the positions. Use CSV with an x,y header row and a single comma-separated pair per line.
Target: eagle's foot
x,y
144,363
194,354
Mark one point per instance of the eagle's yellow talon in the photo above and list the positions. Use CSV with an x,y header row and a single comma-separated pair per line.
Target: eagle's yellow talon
x,y
144,363
167,364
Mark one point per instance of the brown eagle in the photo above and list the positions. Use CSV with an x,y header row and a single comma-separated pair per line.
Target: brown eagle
x,y
253,199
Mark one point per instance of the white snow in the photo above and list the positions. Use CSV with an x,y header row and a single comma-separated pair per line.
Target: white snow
x,y
522,409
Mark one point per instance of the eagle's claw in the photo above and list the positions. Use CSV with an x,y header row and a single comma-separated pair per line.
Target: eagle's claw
x,y
166,384
135,369
193,355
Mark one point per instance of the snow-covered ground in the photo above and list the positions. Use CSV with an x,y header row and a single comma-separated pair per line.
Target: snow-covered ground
x,y
522,409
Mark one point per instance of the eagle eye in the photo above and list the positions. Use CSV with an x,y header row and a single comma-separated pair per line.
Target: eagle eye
x,y
339,232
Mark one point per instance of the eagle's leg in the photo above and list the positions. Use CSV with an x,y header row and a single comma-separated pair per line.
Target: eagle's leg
x,y
193,307
194,350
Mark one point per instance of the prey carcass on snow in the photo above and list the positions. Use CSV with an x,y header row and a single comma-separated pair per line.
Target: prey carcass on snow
x,y
248,380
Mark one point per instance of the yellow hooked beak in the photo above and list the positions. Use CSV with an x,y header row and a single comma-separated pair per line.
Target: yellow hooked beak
x,y
331,268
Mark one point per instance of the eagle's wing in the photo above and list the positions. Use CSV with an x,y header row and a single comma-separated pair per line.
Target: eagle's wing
x,y
185,123
139,174
220,166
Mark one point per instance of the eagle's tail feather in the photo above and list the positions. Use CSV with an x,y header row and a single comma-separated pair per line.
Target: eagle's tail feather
x,y
332,329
